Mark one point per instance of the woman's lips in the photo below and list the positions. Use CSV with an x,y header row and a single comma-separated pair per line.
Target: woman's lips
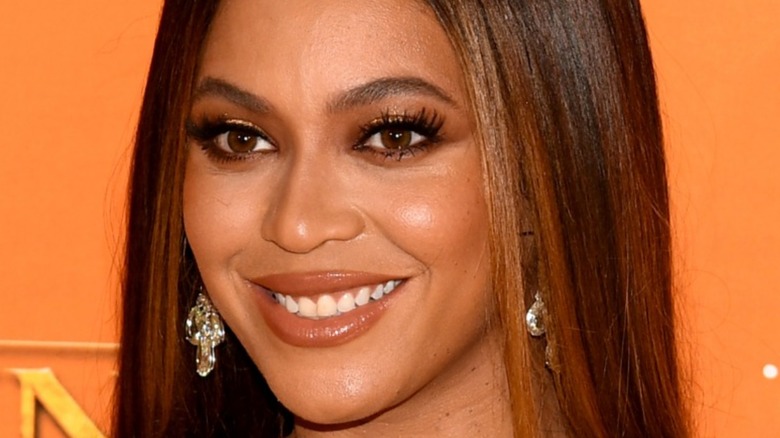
x,y
314,283
323,309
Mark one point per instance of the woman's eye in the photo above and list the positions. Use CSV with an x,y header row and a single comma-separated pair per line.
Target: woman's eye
x,y
400,136
394,139
242,142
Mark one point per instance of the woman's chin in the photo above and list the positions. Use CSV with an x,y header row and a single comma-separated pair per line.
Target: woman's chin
x,y
329,414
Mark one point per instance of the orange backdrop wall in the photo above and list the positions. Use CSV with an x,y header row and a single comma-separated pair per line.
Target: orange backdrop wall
x,y
71,77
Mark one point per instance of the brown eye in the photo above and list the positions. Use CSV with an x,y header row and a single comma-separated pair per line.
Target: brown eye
x,y
394,139
242,141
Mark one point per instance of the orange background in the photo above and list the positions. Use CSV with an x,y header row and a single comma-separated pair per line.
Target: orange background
x,y
71,77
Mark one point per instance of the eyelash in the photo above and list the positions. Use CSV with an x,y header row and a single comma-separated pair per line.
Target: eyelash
x,y
207,131
423,123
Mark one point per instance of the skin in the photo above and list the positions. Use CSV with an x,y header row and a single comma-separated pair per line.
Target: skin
x,y
310,202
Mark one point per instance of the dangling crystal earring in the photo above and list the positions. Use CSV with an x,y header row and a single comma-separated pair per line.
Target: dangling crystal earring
x,y
205,331
535,323
534,318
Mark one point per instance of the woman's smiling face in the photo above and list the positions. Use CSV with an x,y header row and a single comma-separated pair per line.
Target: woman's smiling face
x,y
334,202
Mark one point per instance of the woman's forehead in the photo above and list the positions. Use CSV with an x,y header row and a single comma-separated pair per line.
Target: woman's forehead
x,y
307,50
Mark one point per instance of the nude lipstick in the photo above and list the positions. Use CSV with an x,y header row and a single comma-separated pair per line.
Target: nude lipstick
x,y
323,309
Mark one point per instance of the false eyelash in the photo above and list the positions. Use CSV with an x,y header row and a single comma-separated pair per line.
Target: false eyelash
x,y
206,130
422,122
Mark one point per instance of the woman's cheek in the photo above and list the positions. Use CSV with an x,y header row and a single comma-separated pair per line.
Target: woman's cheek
x,y
220,214
418,216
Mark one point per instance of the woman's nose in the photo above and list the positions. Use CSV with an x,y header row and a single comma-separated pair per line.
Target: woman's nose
x,y
310,207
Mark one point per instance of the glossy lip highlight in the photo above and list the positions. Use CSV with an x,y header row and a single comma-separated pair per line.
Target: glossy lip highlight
x,y
321,282
309,330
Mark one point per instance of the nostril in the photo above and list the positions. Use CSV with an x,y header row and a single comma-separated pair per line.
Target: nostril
x,y
303,227
310,205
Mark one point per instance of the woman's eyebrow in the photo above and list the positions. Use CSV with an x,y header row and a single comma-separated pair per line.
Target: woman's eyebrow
x,y
211,86
383,88
364,94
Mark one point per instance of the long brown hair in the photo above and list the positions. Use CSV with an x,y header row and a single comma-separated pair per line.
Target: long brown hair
x,y
567,115
577,156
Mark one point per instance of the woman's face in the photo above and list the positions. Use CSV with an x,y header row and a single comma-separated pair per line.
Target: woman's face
x,y
334,202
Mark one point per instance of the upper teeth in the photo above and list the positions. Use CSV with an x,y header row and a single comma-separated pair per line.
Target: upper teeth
x,y
327,305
